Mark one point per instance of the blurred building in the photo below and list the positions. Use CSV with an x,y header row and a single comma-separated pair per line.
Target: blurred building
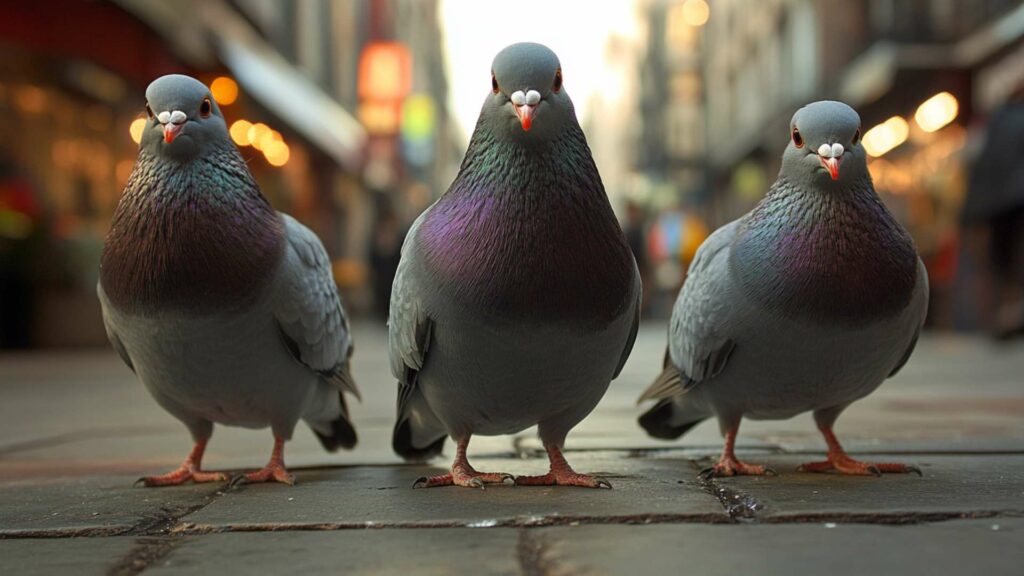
x,y
72,78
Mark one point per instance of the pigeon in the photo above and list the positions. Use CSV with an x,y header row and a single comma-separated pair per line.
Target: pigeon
x,y
806,303
225,309
516,300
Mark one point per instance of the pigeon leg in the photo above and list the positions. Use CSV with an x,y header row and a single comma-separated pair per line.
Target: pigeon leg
x,y
561,473
841,462
462,474
729,465
274,470
189,470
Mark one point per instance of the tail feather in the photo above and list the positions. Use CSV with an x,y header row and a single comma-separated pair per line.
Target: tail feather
x,y
401,442
658,421
342,435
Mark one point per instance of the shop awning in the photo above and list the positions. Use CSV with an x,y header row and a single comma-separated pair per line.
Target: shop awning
x,y
265,75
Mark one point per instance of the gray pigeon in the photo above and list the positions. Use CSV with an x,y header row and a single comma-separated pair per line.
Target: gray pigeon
x,y
808,302
517,298
225,309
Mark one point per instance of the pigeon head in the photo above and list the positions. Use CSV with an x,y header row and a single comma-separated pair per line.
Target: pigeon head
x,y
184,120
527,102
824,145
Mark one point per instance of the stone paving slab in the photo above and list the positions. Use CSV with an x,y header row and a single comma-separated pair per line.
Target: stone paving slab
x,y
79,556
951,484
991,547
384,495
355,552
100,505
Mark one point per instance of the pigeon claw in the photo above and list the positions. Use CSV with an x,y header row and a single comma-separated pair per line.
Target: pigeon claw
x,y
181,476
272,472
727,467
569,478
843,464
465,478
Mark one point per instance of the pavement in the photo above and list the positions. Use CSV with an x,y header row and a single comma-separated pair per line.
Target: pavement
x,y
76,430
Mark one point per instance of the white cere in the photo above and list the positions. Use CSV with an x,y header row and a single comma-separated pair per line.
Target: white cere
x,y
177,117
834,151
531,98
164,117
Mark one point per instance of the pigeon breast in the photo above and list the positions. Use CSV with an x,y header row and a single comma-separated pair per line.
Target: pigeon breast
x,y
196,237
837,257
527,234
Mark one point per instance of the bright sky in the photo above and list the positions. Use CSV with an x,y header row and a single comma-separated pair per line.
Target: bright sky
x,y
476,30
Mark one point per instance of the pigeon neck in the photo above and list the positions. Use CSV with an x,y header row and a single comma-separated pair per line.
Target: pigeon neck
x,y
836,256
196,237
528,234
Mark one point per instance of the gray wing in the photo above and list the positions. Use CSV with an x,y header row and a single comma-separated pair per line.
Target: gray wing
x,y
418,434
699,343
115,340
408,324
919,303
308,309
638,288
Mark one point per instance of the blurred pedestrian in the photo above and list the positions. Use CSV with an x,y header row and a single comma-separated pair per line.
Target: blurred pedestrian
x,y
995,206
635,229
385,252
19,234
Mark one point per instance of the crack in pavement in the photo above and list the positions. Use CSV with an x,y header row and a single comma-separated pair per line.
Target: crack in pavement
x,y
534,556
146,552
740,506
157,537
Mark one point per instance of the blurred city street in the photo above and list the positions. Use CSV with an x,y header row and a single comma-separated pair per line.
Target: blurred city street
x,y
356,116
77,430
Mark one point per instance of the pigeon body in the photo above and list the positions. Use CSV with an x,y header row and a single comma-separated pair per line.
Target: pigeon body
x,y
807,303
516,300
224,308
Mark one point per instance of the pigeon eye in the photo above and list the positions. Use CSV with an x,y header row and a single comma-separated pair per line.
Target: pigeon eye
x,y
494,83
149,112
205,108
558,80
856,137
798,140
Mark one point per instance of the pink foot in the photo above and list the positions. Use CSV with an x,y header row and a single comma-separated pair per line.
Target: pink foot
x,y
461,477
181,476
563,478
731,466
273,471
841,462
845,465
561,474
189,470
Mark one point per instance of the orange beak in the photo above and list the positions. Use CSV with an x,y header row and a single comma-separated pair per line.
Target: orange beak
x,y
525,113
171,131
832,165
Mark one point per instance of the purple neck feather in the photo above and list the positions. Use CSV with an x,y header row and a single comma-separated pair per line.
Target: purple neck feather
x,y
836,256
528,233
196,237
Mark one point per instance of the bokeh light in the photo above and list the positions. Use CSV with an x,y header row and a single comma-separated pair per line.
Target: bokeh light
x,y
136,129
886,136
256,134
240,132
696,12
936,112
224,90
277,153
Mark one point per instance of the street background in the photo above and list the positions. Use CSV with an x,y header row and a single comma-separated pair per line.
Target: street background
x,y
353,116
